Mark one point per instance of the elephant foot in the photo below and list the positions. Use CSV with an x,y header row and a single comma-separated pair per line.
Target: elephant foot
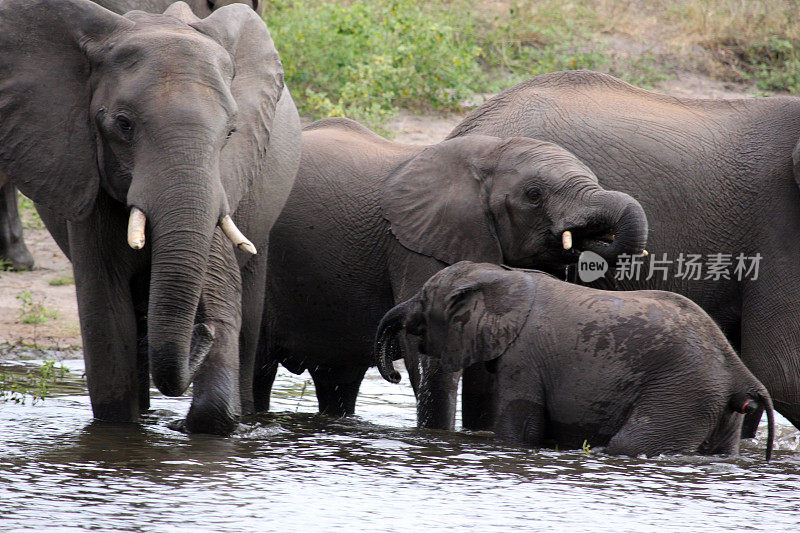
x,y
16,257
216,419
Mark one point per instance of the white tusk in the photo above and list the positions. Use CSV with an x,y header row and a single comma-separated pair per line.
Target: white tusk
x,y
644,253
136,228
233,233
566,240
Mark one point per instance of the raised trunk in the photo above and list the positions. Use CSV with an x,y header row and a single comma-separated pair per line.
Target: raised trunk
x,y
387,345
618,214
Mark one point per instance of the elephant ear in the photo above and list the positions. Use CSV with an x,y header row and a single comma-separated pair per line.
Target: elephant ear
x,y
437,205
485,318
257,86
47,144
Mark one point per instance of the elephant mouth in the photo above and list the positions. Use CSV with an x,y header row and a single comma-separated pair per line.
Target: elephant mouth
x,y
576,240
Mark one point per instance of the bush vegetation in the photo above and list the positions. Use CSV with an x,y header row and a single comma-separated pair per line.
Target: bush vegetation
x,y
367,58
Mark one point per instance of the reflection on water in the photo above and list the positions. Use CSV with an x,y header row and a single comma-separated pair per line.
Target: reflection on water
x,y
292,470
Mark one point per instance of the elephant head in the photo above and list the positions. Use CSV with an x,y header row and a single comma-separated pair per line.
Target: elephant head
x,y
166,114
517,201
465,314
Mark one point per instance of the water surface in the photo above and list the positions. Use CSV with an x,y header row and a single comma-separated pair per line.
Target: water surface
x,y
293,470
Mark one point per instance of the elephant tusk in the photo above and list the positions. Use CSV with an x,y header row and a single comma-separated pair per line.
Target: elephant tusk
x,y
644,253
566,240
236,236
136,224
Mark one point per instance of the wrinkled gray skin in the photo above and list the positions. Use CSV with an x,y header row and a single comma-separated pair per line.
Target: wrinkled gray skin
x,y
639,372
368,221
12,244
187,120
714,176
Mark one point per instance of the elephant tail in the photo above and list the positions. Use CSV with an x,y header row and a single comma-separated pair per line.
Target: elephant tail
x,y
747,403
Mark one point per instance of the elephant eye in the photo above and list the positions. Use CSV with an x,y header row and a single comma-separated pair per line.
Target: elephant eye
x,y
534,195
124,124
228,136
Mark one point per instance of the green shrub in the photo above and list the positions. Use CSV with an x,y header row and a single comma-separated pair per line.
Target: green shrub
x,y
366,59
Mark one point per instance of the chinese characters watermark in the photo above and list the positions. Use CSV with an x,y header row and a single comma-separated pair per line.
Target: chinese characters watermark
x,y
691,267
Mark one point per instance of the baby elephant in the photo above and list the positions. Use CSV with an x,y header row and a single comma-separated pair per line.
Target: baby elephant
x,y
640,372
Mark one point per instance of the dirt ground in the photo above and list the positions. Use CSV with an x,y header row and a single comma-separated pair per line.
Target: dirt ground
x,y
61,329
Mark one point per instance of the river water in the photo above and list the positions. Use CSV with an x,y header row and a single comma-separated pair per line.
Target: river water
x,y
293,470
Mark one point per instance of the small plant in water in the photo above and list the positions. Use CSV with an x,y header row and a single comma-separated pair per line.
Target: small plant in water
x,y
34,384
586,448
33,312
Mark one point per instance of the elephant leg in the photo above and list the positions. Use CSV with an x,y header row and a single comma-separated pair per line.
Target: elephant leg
x,y
263,378
436,397
253,282
337,388
216,404
478,389
108,320
652,430
771,344
12,245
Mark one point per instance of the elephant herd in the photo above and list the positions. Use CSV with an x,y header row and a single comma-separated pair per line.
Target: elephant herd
x,y
162,149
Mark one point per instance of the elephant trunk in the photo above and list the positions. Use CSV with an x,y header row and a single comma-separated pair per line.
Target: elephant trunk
x,y
181,232
387,345
623,225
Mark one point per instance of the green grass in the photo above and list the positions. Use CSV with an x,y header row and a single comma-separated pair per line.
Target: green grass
x,y
27,212
60,281
32,311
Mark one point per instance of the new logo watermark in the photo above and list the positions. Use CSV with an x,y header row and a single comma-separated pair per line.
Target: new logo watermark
x,y
591,267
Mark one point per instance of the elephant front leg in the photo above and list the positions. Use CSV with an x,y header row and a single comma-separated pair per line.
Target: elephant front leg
x,y
254,278
436,394
108,325
216,405
478,389
13,251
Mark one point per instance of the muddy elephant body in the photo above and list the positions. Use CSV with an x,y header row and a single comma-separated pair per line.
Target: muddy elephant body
x,y
12,244
639,372
167,152
714,177
368,221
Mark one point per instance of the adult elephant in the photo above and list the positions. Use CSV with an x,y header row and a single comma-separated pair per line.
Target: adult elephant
x,y
369,221
172,127
714,177
12,244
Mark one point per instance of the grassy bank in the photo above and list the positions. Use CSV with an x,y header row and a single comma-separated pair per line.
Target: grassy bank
x,y
367,58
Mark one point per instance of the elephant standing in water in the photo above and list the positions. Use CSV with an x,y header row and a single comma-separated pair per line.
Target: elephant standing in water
x,y
180,130
369,221
12,245
714,177
640,372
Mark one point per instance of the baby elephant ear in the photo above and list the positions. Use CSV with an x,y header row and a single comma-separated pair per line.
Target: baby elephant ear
x,y
47,144
436,205
485,318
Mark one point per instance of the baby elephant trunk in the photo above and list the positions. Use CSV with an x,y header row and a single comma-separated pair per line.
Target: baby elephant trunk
x,y
750,403
387,345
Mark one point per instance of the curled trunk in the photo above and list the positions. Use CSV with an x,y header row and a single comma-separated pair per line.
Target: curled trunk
x,y
387,345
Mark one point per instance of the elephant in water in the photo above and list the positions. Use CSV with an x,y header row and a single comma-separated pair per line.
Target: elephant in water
x,y
639,372
369,220
145,140
12,245
714,177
